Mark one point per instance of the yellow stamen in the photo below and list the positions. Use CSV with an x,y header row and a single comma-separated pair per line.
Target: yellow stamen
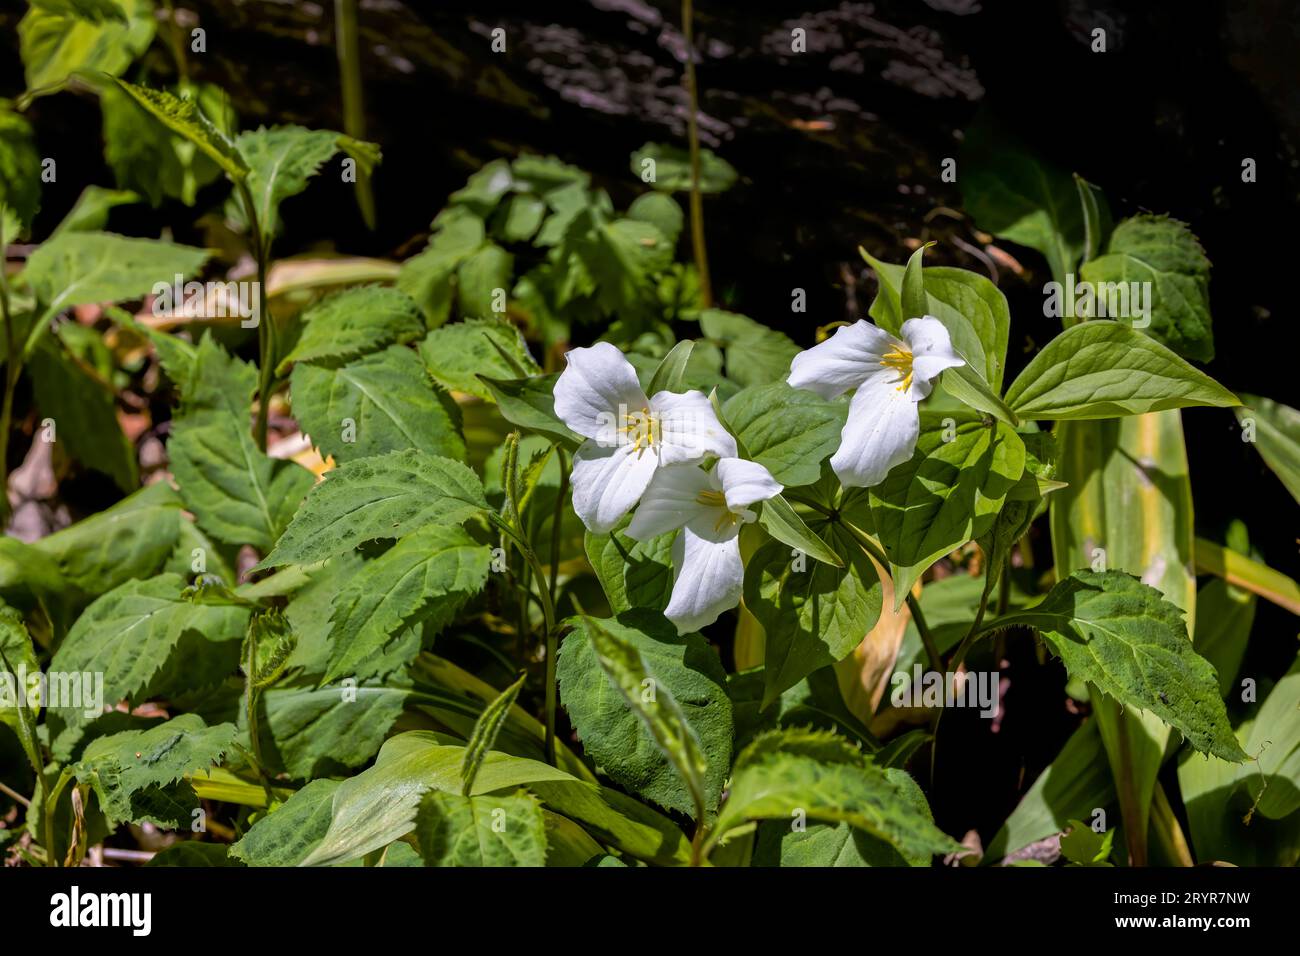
x,y
642,430
716,499
900,360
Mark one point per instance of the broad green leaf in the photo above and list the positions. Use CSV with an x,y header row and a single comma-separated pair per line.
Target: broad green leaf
x,y
1276,437
1163,254
789,431
427,575
428,277
1104,369
182,116
132,539
662,212
288,833
57,39
18,659
1085,847
239,494
633,574
355,322
755,354
122,765
78,268
1097,222
1113,631
313,731
85,411
1071,787
813,614
530,404
672,169
521,218
281,160
91,210
379,403
948,493
20,170
388,496
1274,739
149,157
486,729
458,355
485,188
785,771
1019,196
672,679
483,280
379,805
668,376
454,830
779,519
965,384
127,636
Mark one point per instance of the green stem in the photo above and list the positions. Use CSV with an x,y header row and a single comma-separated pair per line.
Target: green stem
x,y
693,138
265,324
51,805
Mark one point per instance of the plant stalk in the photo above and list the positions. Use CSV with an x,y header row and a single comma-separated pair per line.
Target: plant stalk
x,y
265,324
693,139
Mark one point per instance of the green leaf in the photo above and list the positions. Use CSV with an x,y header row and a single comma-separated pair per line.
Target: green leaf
x,y
312,731
376,404
127,636
388,496
486,729
1164,253
680,702
964,384
191,853
57,39
1276,437
482,278
1085,847
183,117
530,404
1103,369
912,300
132,539
428,574
1096,217
122,765
661,211
672,169
633,574
1018,196
20,169
755,354
427,277
289,832
281,161
1113,631
948,493
84,409
813,614
668,376
789,431
355,322
239,494
18,710
481,831
787,771
78,268
458,355
779,519
91,210
379,805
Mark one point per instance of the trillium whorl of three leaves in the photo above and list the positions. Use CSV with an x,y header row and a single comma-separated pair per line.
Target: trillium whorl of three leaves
x,y
1104,369
388,496
1119,634
614,731
788,770
814,616
948,493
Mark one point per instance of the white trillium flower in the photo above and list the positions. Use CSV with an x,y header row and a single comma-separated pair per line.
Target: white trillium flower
x,y
891,376
709,507
629,437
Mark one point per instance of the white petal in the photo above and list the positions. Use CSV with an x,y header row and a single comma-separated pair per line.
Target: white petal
x,y
596,390
689,428
670,500
843,361
746,482
708,580
608,482
881,432
932,352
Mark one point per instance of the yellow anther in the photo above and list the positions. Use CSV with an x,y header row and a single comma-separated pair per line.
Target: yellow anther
x,y
716,499
900,360
642,430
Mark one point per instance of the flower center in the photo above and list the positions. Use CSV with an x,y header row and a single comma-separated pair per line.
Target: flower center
x,y
642,430
716,499
900,360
